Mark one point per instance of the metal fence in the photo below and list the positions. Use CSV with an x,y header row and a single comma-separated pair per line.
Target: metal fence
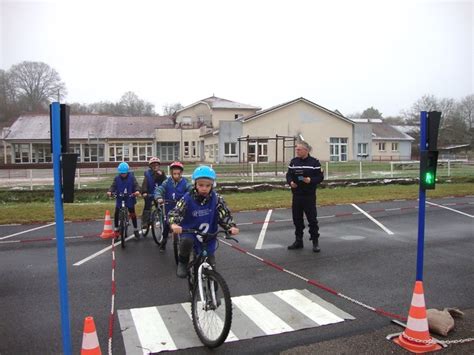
x,y
101,178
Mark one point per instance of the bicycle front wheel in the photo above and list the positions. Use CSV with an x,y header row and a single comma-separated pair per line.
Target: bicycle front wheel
x,y
212,315
123,231
176,247
156,226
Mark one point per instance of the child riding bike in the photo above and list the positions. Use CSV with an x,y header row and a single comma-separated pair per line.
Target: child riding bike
x,y
202,209
153,178
125,180
171,191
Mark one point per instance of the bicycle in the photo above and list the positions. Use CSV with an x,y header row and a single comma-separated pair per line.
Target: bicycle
x,y
124,220
156,223
211,317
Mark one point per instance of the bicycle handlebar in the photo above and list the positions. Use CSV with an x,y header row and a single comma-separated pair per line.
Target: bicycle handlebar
x,y
210,236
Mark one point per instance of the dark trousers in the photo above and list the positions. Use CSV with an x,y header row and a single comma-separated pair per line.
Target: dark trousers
x,y
131,212
147,210
305,204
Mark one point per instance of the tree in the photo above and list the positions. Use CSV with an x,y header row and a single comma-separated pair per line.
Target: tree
x,y
371,113
131,105
170,109
426,103
466,108
36,84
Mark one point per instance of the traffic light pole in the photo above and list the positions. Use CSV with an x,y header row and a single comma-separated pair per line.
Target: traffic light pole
x,y
59,214
421,203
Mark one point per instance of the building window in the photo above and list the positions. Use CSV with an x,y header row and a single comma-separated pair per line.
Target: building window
x,y
141,151
76,148
186,149
193,149
230,149
362,149
394,147
116,152
338,149
22,153
258,151
167,151
93,152
381,146
41,153
237,115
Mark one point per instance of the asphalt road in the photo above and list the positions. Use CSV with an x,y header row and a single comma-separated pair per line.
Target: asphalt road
x,y
368,254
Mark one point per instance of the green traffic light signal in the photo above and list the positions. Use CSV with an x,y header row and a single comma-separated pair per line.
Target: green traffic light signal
x,y
429,178
428,163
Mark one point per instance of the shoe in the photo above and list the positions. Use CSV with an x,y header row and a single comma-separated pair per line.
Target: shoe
x,y
137,234
162,247
182,271
316,248
295,245
116,235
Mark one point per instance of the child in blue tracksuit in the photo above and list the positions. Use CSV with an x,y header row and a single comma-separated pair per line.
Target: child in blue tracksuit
x,y
170,192
125,181
201,209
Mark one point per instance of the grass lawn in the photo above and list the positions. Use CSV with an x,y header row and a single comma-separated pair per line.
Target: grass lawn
x,y
44,211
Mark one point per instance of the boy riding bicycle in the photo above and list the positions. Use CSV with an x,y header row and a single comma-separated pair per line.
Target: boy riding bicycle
x,y
153,178
202,209
171,191
125,180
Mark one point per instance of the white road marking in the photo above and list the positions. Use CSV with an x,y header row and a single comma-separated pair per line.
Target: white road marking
x,y
148,322
90,257
28,230
450,209
265,319
261,237
310,309
388,231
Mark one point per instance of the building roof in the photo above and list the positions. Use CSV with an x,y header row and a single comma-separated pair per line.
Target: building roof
x,y
384,131
407,128
278,107
37,127
216,103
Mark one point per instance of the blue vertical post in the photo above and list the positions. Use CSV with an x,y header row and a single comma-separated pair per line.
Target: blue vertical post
x,y
421,203
59,213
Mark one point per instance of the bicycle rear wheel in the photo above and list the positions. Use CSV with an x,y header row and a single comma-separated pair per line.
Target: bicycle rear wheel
x,y
156,226
212,316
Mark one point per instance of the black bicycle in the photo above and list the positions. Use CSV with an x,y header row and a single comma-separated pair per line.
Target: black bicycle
x,y
156,223
211,305
124,220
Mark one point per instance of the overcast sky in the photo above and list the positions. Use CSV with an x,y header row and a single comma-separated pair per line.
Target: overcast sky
x,y
346,55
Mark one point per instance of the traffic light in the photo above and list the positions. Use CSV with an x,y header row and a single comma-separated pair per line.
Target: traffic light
x,y
428,149
428,163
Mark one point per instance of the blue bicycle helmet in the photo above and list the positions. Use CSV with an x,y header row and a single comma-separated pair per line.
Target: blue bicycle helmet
x,y
123,168
204,172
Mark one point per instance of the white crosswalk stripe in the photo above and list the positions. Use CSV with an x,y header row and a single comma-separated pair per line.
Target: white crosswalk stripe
x,y
169,327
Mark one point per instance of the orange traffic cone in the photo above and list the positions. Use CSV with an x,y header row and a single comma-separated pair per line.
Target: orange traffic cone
x,y
416,337
90,342
108,232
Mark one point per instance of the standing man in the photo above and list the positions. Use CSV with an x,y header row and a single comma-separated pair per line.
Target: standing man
x,y
304,174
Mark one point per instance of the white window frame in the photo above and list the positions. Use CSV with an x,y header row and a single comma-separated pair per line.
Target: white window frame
x,y
381,146
230,149
394,146
338,149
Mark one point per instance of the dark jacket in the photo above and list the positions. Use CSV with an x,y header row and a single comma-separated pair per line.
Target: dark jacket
x,y
151,180
300,168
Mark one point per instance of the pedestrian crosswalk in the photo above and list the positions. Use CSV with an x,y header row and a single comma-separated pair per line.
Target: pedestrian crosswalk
x,y
167,328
